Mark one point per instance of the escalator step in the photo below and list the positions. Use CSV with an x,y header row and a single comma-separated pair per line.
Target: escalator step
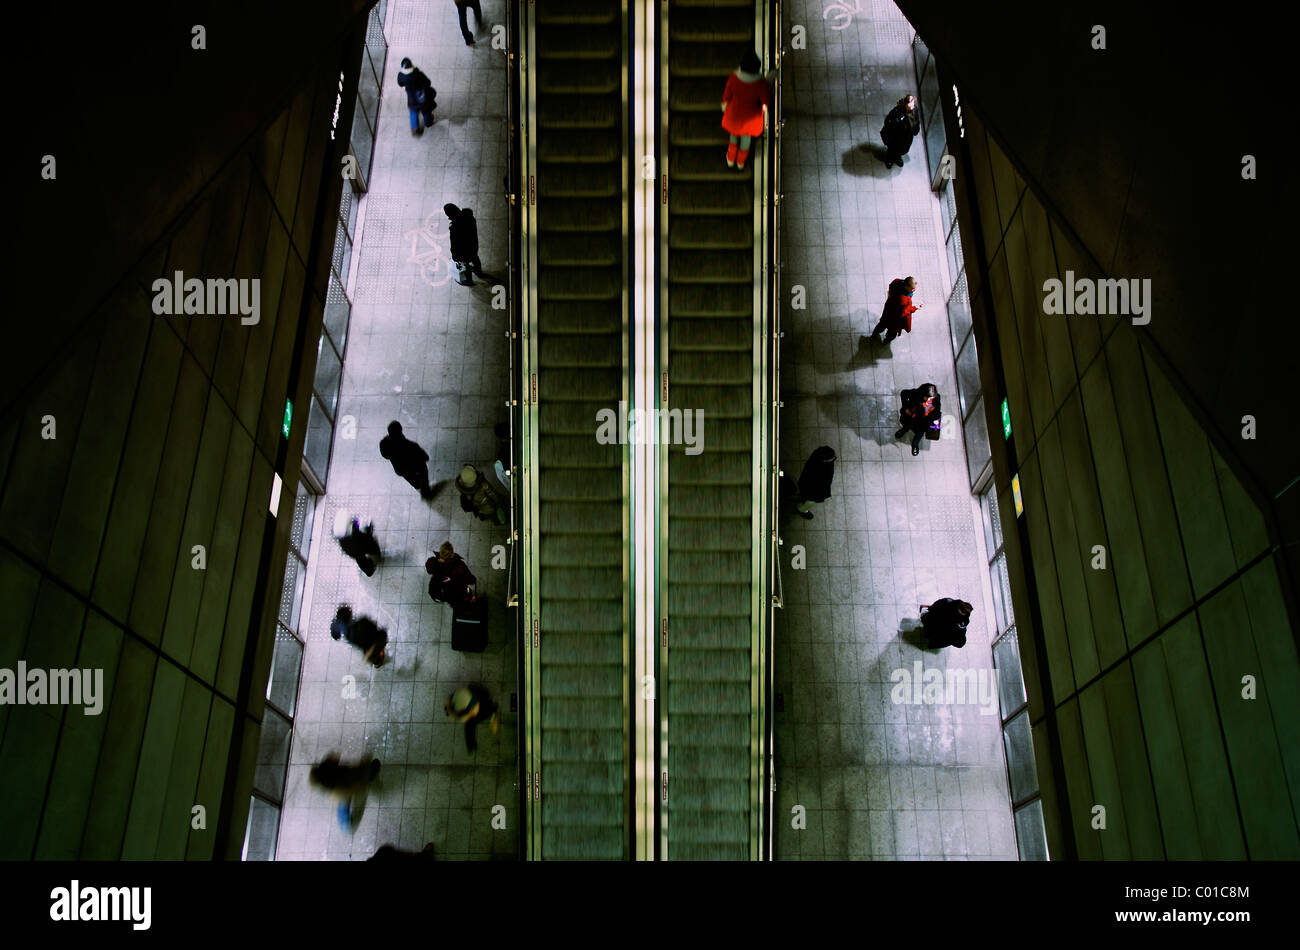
x,y
559,41
581,649
706,26
580,551
697,534
578,180
700,300
578,112
734,333
720,367
591,147
730,267
709,600
697,60
698,197
578,214
710,468
564,517
585,12
590,316
584,384
582,77
579,284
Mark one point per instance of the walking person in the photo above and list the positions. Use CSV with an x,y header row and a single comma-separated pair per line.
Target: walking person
x,y
746,100
901,125
346,782
421,97
815,480
945,623
450,580
409,460
896,318
921,414
357,543
471,705
462,6
363,633
477,496
463,232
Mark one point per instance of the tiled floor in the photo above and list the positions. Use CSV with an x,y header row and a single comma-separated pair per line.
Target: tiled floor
x,y
877,780
433,355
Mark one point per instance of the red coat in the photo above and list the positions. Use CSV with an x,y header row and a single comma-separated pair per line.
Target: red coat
x,y
743,104
898,311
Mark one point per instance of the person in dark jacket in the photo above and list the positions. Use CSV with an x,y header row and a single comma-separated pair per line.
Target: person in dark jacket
x,y
421,97
462,6
901,126
409,460
356,542
921,412
363,633
471,705
945,623
345,782
815,480
896,318
463,231
450,580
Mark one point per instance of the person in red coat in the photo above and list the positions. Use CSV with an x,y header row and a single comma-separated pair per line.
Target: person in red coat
x,y
897,315
745,103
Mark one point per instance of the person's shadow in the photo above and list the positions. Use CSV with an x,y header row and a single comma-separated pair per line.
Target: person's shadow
x,y
911,632
865,161
867,354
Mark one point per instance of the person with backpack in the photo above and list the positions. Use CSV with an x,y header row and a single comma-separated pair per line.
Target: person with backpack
x,y
477,496
462,230
945,623
896,318
421,97
450,580
363,633
901,126
921,414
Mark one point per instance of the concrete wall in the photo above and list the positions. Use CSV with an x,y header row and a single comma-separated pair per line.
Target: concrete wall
x,y
1135,671
166,429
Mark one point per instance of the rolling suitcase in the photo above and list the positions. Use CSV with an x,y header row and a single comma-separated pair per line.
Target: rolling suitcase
x,y
469,626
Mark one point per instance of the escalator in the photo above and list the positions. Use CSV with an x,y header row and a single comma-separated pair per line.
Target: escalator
x,y
711,701
576,57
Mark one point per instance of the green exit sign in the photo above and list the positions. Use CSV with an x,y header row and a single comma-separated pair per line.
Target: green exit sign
x,y
1006,420
288,416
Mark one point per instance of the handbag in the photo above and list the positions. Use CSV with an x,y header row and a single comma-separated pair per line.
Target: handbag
x,y
932,432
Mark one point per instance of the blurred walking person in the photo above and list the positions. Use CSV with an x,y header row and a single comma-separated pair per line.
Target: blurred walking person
x,y
945,623
346,782
357,543
363,633
472,705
